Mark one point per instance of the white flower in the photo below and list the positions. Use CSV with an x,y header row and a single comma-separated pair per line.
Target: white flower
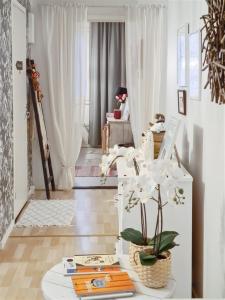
x,y
130,163
130,153
121,151
106,162
151,174
104,169
114,151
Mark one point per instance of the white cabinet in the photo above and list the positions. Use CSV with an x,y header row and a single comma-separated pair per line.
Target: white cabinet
x,y
177,218
119,132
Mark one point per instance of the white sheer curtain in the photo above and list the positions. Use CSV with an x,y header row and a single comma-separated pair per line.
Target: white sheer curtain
x,y
145,62
65,38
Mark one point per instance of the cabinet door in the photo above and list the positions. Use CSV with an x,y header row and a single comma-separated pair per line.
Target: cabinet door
x,y
115,134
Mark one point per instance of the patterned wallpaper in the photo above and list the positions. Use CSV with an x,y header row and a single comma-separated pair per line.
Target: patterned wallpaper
x,y
6,116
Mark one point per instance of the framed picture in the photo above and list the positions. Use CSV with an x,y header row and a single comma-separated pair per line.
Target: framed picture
x,y
169,138
182,55
181,97
195,63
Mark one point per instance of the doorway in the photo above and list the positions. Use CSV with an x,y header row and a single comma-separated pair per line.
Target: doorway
x,y
19,106
107,72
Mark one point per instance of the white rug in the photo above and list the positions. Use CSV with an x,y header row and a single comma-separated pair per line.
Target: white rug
x,y
47,213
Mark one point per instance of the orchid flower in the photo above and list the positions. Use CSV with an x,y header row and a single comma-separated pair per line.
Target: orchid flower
x,y
150,174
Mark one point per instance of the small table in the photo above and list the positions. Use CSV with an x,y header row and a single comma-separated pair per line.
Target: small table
x,y
116,132
56,286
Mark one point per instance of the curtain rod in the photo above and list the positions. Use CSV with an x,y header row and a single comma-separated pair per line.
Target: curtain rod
x,y
88,3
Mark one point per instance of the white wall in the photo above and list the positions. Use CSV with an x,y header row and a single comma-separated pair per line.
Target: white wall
x,y
201,147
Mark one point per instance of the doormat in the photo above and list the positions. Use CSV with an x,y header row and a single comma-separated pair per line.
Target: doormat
x,y
47,213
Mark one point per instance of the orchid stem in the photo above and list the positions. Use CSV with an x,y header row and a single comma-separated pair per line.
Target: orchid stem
x,y
144,225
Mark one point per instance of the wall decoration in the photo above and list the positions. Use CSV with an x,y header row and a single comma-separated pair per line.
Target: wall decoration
x,y
213,47
181,101
182,55
195,65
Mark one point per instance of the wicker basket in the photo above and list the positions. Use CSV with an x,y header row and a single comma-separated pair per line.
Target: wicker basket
x,y
134,254
157,275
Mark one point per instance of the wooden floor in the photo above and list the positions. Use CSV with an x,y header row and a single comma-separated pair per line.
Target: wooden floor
x,y
94,212
29,253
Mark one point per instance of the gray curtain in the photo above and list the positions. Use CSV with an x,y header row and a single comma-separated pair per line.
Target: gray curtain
x,y
107,72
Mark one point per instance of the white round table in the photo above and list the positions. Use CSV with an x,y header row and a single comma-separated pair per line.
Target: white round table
x,y
56,286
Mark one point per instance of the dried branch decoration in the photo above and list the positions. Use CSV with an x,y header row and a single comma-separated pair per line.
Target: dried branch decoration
x,y
213,47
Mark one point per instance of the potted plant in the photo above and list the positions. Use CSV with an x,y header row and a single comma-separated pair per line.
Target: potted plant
x,y
156,181
120,97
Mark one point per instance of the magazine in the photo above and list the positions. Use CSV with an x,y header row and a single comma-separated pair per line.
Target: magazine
x,y
99,260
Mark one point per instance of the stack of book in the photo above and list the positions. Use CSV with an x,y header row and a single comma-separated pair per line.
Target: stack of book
x,y
98,277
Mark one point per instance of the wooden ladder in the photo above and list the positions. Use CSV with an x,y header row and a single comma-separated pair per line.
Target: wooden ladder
x,y
37,97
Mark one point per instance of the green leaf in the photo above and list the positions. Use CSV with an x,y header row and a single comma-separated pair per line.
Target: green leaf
x,y
164,235
147,259
132,235
168,247
167,238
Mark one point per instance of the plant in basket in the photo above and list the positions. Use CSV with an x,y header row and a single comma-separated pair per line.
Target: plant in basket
x,y
157,181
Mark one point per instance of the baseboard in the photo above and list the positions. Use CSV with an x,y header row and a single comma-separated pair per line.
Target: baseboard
x,y
31,192
6,235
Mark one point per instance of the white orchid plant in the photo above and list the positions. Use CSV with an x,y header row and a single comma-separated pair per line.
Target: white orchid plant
x,y
156,180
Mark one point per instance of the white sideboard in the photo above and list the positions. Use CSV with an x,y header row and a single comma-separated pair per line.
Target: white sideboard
x,y
176,218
